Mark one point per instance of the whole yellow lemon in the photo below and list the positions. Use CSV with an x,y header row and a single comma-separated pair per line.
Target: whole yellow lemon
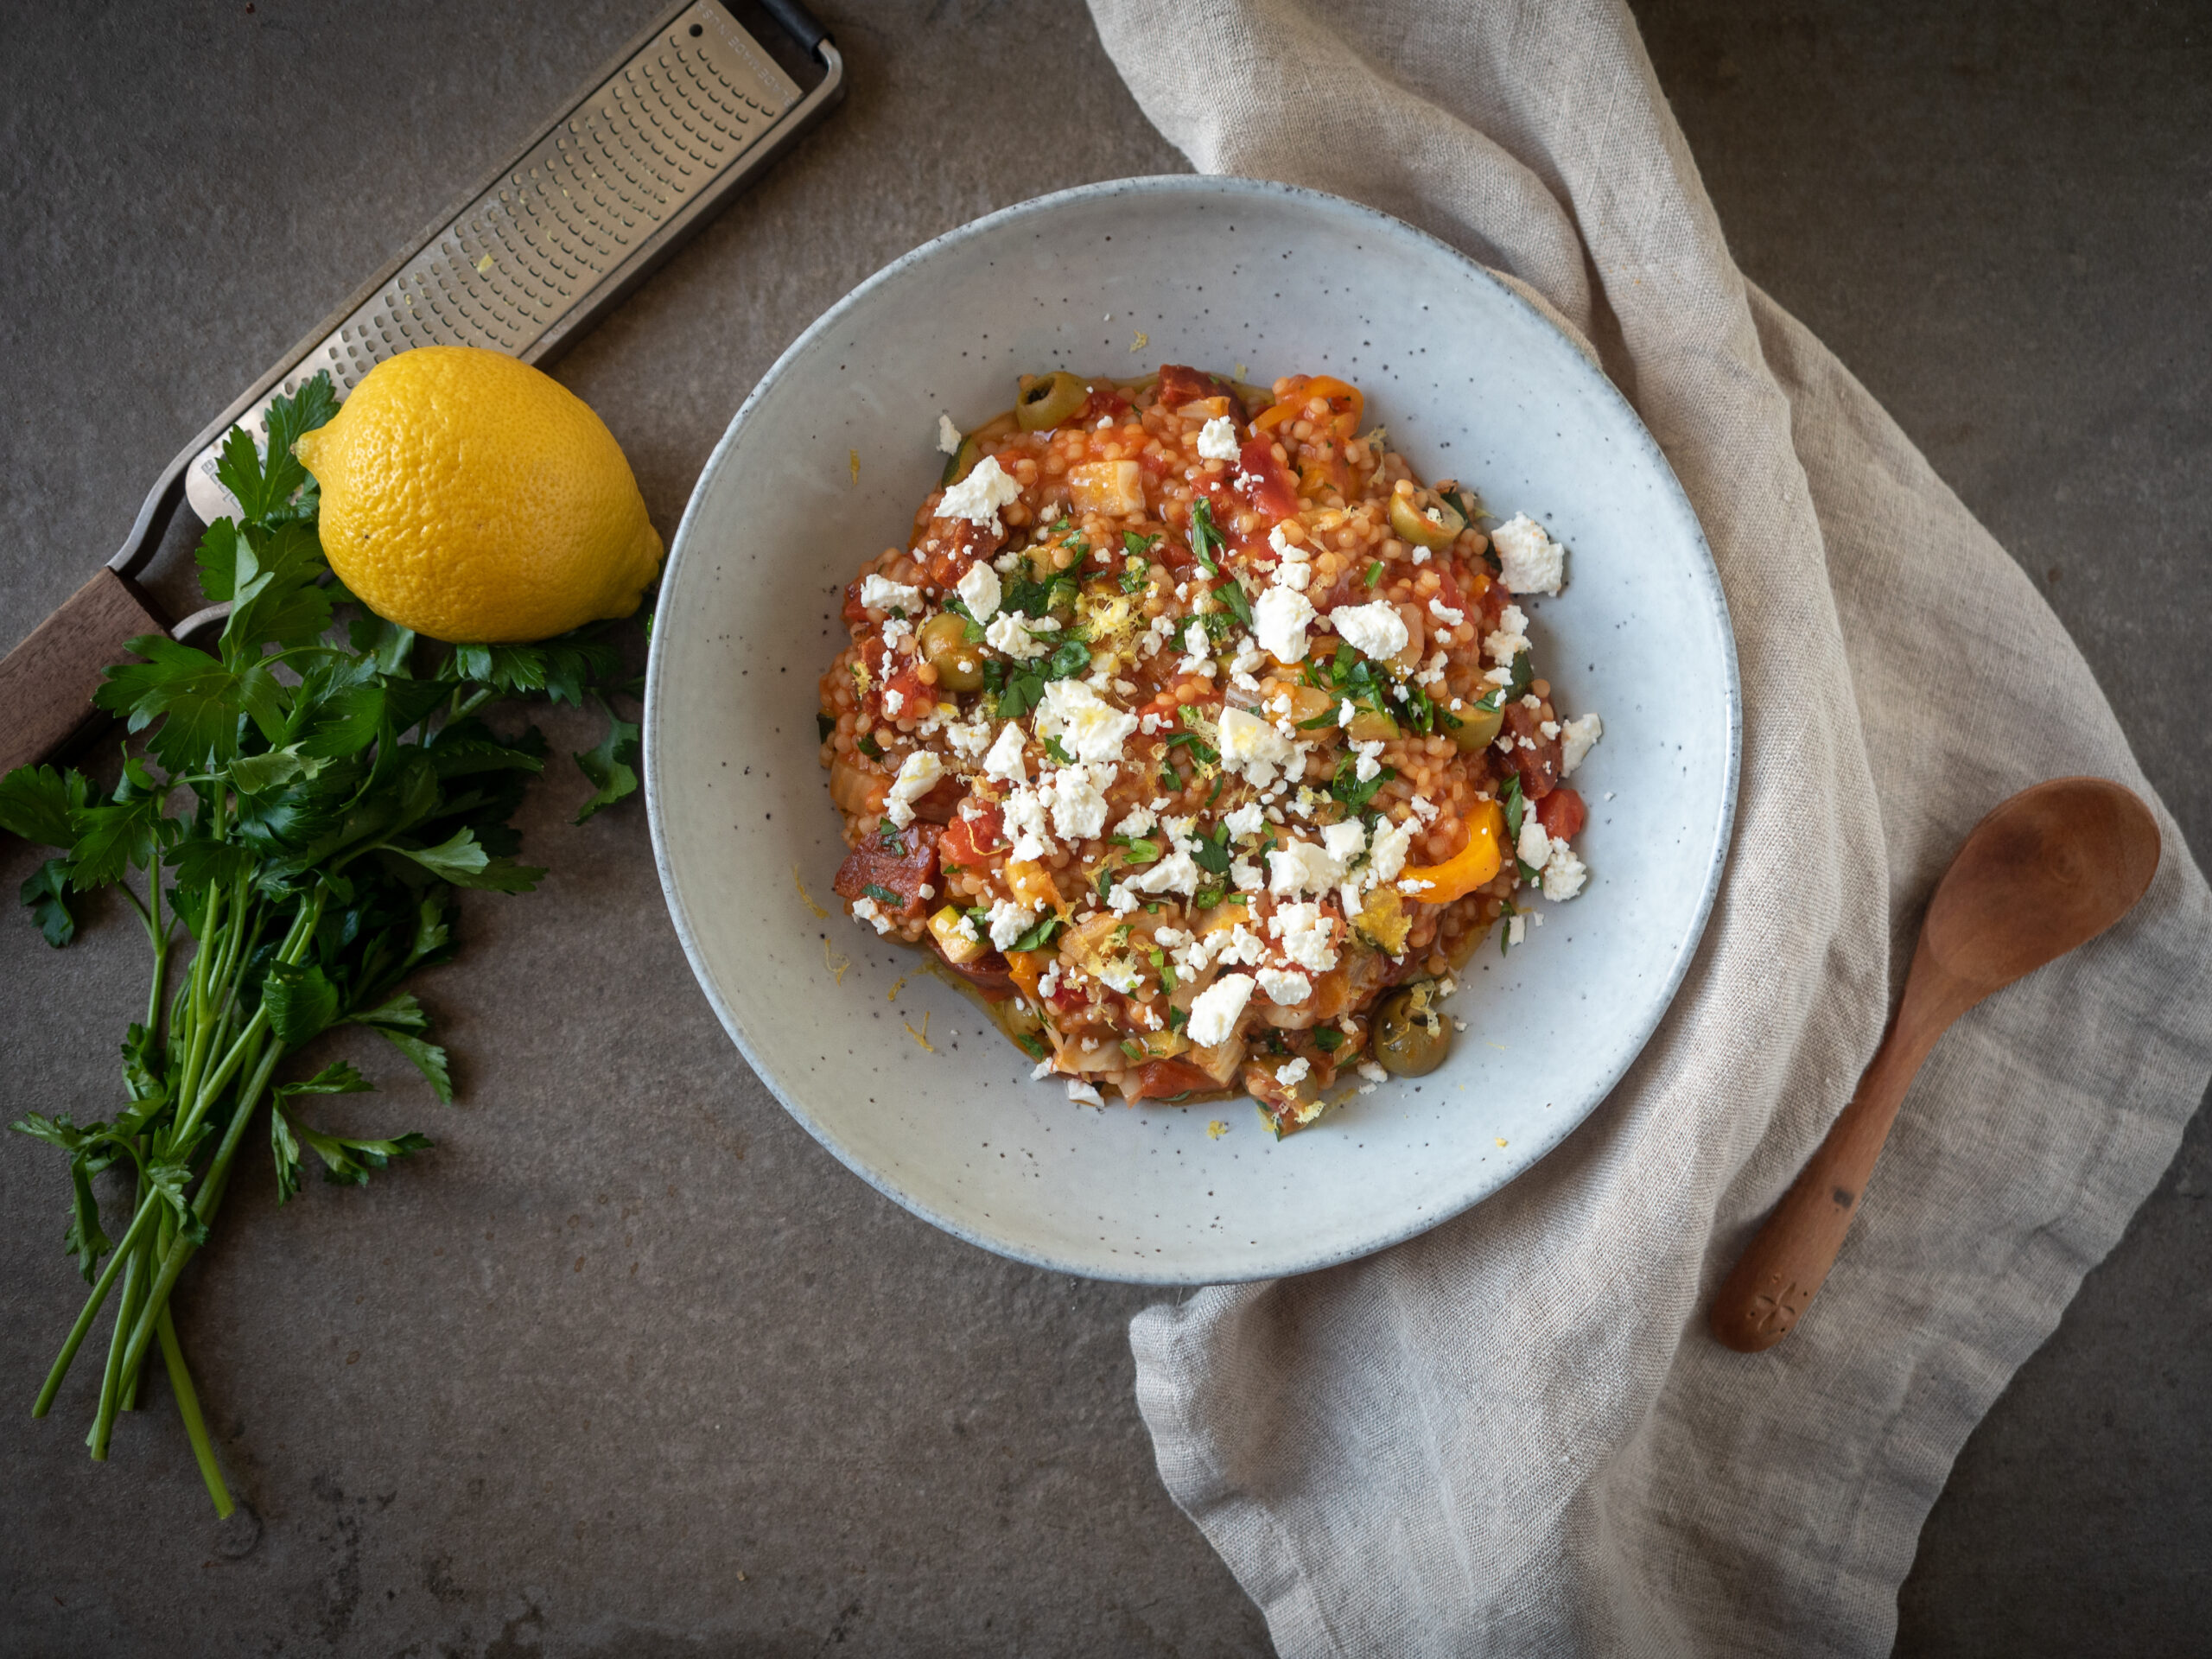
x,y
472,498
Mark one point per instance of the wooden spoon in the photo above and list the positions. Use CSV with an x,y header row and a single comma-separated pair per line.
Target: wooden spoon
x,y
2049,870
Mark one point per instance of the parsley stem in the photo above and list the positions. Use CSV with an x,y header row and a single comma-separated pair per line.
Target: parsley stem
x,y
134,1277
106,1281
196,1425
179,1251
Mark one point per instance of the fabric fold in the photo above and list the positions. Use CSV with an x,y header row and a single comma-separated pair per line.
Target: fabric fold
x,y
1512,1436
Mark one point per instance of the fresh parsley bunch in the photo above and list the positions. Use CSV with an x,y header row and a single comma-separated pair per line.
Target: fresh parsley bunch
x,y
298,812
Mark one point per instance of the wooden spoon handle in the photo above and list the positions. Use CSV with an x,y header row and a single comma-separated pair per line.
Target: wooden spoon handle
x,y
1779,1275
47,683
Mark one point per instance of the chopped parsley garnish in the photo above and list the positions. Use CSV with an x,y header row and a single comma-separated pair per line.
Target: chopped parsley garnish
x,y
869,747
973,632
1348,786
1210,852
1072,659
825,725
1206,539
1136,574
1232,594
1204,753
883,895
1053,748
1515,804
1375,573
1178,1017
1039,936
1030,1045
1208,896
1133,1048
1328,1039
888,834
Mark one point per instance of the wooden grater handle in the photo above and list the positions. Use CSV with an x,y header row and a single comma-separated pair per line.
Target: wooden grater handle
x,y
47,683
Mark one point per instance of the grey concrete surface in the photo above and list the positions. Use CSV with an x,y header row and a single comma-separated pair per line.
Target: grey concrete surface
x,y
628,1366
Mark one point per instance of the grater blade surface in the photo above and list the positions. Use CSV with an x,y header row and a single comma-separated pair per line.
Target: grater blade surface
x,y
567,229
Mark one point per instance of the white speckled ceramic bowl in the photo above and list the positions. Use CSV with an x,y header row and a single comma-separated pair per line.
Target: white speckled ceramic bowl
x,y
1116,279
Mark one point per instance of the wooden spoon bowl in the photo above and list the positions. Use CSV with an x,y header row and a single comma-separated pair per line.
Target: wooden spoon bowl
x,y
2049,870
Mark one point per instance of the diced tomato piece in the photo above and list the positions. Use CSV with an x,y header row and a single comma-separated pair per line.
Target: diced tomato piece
x,y
1264,480
1158,1079
1180,384
1154,464
855,613
1539,765
914,697
967,840
950,547
1562,814
901,868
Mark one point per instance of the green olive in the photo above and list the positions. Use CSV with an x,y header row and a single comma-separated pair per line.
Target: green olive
x,y
1415,525
1478,728
1048,399
1411,1039
944,647
961,462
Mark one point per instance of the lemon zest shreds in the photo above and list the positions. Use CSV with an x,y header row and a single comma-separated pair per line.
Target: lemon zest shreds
x,y
921,1036
1142,341
1216,1129
855,455
897,986
835,962
809,897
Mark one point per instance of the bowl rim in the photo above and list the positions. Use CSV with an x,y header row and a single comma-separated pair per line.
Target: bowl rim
x,y
1706,575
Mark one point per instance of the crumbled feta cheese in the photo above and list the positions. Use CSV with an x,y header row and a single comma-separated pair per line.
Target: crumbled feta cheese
x,y
1547,729
1299,866
1124,900
1387,855
1304,936
1089,727
1280,619
1283,988
1534,845
917,775
1079,800
1370,764
1137,821
1008,634
978,589
1292,1075
1374,630
1251,747
1177,872
1286,550
1508,641
978,497
1422,808
1215,1014
881,593
894,701
1582,733
1373,1072
1245,820
1530,560
1296,577
1084,1094
1004,761
1344,842
1009,921
1026,811
1042,1069
1446,614
1564,873
1005,563
1122,974
1217,439
948,435
970,738
865,910
1194,639
1516,930
1246,876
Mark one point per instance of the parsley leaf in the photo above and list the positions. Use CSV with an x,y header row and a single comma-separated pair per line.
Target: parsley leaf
x,y
1232,594
1206,539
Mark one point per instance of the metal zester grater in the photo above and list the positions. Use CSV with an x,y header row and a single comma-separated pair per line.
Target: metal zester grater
x,y
669,132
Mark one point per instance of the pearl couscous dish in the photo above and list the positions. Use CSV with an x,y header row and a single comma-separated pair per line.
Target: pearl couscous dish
x,y
1199,739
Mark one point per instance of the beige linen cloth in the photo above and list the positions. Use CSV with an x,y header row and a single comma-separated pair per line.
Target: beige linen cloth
x,y
1513,1435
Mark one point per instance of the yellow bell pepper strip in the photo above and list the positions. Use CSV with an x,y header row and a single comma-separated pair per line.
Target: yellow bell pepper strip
x,y
1466,869
1344,400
